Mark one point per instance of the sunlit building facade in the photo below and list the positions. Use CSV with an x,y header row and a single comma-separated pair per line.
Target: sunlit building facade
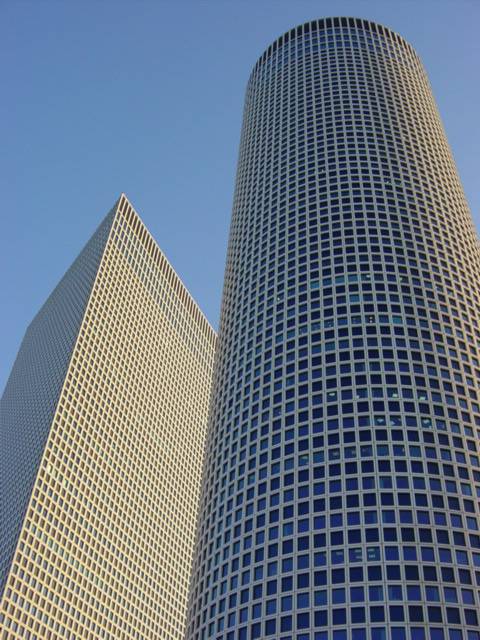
x,y
103,424
342,486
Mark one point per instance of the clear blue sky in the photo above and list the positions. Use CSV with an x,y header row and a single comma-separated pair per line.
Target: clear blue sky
x,y
100,97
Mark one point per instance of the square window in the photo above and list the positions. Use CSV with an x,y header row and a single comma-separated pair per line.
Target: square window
x,y
303,600
338,596
375,592
433,594
396,614
395,592
467,596
434,614
415,614
339,616
286,623
471,617
413,592
357,614
357,594
450,594
303,620
377,614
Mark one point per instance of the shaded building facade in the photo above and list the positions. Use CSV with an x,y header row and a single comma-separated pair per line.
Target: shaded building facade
x,y
103,424
342,483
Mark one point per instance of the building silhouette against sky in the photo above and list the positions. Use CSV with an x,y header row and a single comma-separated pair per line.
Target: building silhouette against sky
x,y
342,484
102,436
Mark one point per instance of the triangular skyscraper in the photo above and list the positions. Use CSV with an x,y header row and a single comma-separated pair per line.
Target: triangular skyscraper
x,y
102,437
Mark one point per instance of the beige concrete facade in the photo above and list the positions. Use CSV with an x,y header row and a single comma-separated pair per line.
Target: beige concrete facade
x,y
105,537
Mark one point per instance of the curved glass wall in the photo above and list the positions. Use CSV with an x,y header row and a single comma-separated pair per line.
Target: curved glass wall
x,y
342,484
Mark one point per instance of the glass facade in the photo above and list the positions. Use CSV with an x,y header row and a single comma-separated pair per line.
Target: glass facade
x,y
342,479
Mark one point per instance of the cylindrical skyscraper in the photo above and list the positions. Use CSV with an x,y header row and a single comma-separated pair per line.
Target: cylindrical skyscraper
x,y
342,479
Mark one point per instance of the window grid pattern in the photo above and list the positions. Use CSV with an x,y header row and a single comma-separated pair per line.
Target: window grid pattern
x,y
31,395
342,485
106,545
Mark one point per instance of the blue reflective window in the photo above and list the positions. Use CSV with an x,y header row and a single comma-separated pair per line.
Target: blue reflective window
x,y
303,600
375,592
338,596
357,594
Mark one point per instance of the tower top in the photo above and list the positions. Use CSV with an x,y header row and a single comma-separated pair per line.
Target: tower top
x,y
329,26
